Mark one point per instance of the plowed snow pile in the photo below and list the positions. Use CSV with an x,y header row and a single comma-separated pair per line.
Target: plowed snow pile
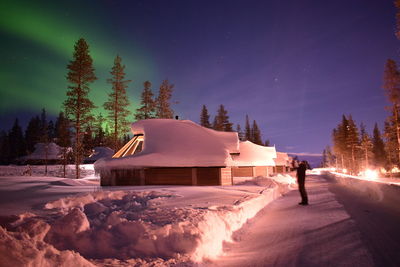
x,y
128,228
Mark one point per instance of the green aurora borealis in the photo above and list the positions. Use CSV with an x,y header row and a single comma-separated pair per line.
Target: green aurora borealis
x,y
37,43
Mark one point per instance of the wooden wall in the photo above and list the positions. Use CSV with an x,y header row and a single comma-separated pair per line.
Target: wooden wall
x,y
168,176
242,171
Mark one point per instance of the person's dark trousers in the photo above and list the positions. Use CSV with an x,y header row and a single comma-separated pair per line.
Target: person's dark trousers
x,y
302,190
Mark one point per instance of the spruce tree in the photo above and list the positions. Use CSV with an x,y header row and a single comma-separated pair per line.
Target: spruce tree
x,y
256,134
366,146
240,132
205,117
221,120
99,133
4,148
148,105
16,142
44,137
32,134
117,103
163,101
248,135
78,106
392,89
353,143
63,138
378,148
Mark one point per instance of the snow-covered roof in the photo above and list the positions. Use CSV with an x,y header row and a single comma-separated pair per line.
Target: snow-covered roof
x,y
254,155
53,152
282,159
183,143
177,143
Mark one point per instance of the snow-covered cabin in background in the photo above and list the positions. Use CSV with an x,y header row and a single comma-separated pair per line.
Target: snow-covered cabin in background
x,y
283,163
50,153
181,152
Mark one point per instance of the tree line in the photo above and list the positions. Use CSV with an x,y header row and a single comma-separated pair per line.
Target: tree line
x,y
221,123
353,148
76,126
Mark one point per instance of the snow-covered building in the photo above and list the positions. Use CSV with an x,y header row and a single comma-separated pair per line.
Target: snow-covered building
x,y
50,152
98,153
181,152
283,163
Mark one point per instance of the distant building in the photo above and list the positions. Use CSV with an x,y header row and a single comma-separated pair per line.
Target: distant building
x,y
174,152
50,153
283,163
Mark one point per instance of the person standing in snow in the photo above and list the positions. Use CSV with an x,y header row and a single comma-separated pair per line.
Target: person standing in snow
x,y
301,179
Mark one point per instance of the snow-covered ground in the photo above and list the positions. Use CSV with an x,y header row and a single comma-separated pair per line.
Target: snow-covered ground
x,y
51,221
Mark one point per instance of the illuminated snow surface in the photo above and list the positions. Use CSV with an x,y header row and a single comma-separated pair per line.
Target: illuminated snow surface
x,y
50,221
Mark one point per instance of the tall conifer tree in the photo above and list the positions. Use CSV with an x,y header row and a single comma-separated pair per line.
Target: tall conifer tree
x,y
378,148
205,117
148,105
163,101
118,103
221,120
366,146
78,106
392,88
248,135
63,138
256,133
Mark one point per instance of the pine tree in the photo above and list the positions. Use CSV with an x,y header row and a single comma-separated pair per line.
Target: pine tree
x,y
366,146
117,103
339,137
392,89
248,135
99,133
390,144
16,142
378,148
163,101
353,143
240,133
267,142
63,138
221,120
148,105
205,117
32,134
78,106
44,137
256,134
4,148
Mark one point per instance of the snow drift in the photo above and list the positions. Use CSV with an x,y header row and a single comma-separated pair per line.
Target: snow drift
x,y
131,227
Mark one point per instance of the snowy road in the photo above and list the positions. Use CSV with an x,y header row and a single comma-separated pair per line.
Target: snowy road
x,y
339,228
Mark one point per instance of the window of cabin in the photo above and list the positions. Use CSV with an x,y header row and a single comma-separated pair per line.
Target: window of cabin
x,y
135,145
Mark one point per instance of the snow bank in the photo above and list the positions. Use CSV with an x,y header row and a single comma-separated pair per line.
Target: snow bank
x,y
125,228
375,190
176,143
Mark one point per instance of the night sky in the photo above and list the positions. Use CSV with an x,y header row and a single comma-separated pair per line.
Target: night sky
x,y
293,66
